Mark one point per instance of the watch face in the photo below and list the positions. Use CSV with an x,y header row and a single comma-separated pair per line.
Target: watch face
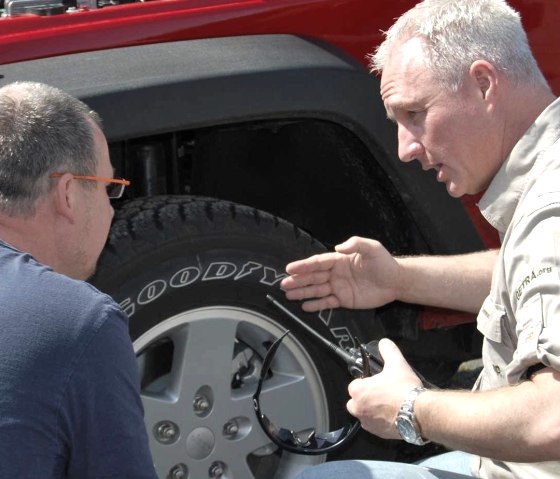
x,y
406,429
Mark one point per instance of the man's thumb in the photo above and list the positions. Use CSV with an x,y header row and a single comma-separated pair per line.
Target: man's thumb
x,y
351,245
390,353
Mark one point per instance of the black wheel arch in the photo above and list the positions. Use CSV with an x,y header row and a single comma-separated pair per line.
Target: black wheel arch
x,y
213,83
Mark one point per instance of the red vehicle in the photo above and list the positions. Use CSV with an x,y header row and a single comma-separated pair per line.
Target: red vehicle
x,y
253,135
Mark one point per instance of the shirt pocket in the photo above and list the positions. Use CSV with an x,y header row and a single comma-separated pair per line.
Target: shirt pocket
x,y
489,320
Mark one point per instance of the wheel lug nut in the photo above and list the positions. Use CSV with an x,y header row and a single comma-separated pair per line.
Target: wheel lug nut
x,y
217,470
231,429
166,432
201,404
178,471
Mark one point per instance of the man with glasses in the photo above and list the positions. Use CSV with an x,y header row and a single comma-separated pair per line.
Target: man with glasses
x,y
69,395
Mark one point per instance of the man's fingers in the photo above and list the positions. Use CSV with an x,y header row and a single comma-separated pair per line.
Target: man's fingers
x,y
328,302
306,292
355,389
319,301
302,280
318,262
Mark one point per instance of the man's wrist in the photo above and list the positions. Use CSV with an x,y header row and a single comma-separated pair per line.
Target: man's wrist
x,y
402,283
406,423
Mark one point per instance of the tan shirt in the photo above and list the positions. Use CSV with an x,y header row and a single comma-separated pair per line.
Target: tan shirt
x,y
520,319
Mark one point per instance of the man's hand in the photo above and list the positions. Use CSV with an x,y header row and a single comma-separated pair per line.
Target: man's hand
x,y
361,274
376,400
464,420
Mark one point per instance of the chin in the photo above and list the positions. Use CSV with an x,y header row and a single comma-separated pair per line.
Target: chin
x,y
90,274
84,274
454,192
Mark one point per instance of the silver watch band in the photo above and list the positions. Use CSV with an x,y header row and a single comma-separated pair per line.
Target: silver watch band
x,y
406,420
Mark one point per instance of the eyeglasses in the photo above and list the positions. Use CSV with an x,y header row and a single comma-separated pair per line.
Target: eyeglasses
x,y
115,188
306,443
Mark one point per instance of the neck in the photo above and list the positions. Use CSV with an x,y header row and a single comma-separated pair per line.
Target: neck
x,y
31,235
524,106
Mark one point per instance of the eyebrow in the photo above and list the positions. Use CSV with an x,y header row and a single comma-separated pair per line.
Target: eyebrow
x,y
401,106
390,110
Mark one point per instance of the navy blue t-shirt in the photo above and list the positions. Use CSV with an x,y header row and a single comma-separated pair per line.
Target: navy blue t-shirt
x,y
69,391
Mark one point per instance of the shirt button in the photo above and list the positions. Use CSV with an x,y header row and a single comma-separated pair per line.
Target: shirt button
x,y
497,369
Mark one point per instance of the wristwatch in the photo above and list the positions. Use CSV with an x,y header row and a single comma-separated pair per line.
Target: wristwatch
x,y
406,421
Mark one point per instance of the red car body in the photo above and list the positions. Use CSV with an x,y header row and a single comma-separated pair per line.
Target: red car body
x,y
354,26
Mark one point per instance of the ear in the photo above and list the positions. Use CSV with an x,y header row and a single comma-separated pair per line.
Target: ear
x,y
65,196
484,77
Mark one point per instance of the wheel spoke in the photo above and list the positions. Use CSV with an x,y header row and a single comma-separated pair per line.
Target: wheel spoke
x,y
158,408
198,360
279,403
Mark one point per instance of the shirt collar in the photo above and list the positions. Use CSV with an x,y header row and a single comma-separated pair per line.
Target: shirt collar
x,y
499,202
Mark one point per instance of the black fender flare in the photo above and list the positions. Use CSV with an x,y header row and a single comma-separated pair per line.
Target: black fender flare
x,y
149,89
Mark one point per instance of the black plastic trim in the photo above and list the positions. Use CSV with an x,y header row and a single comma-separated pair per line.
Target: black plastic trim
x,y
150,89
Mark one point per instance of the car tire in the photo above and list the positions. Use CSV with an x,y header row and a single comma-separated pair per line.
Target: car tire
x,y
193,275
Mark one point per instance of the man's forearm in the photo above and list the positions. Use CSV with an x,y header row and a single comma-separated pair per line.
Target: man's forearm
x,y
459,282
519,423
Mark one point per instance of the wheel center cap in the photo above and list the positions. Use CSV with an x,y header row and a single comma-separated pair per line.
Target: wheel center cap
x,y
200,443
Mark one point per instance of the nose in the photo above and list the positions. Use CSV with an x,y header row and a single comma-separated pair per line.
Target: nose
x,y
410,148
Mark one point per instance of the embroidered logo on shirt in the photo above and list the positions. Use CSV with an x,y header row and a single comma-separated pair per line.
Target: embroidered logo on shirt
x,y
529,278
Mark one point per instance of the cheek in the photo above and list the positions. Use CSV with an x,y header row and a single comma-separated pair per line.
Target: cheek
x,y
452,137
108,213
100,220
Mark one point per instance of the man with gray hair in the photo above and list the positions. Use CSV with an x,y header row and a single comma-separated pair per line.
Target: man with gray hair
x,y
460,82
69,394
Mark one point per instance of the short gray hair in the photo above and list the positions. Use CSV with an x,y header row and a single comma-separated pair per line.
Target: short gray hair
x,y
42,130
456,33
